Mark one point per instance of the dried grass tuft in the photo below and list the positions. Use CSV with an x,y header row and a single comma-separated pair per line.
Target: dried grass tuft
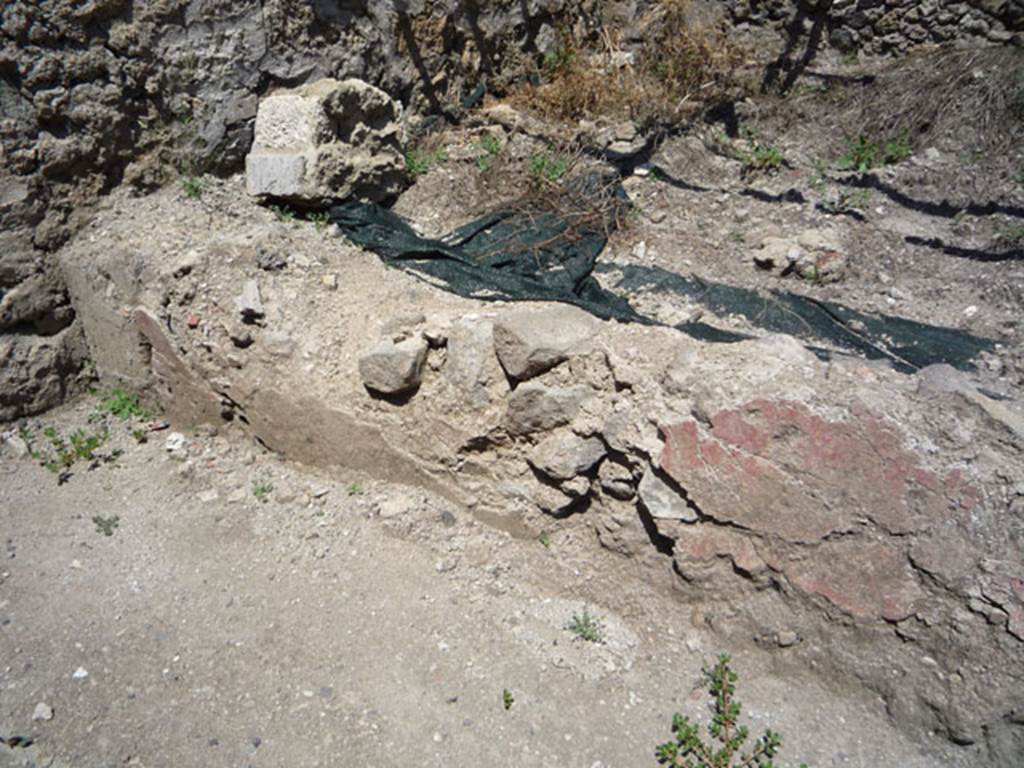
x,y
680,67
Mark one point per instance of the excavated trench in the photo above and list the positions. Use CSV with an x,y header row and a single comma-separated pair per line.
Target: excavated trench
x,y
861,518
753,475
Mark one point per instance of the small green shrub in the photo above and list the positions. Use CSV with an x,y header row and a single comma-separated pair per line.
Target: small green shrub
x,y
688,750
194,186
63,453
562,59
418,163
863,153
283,213
261,489
124,405
846,201
354,489
759,156
320,220
491,147
507,699
585,626
547,167
898,150
544,539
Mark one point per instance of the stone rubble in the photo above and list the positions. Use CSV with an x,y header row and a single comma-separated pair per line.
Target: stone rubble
x,y
530,342
394,368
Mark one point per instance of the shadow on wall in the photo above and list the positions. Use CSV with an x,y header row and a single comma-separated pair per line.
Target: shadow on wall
x,y
789,64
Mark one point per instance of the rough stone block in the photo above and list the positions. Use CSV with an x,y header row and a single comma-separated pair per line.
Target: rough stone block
x,y
392,369
275,175
564,456
531,341
326,141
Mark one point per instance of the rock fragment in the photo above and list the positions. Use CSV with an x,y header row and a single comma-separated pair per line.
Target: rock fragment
x,y
176,445
565,455
269,261
391,368
531,341
14,446
537,408
471,362
43,712
250,303
662,501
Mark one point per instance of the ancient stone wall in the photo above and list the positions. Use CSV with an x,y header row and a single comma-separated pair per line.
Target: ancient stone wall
x,y
884,26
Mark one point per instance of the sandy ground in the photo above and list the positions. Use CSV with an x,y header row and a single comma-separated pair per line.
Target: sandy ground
x,y
343,622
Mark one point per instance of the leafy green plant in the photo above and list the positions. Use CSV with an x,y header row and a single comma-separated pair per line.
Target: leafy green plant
x,y
194,186
897,150
547,167
507,700
354,489
418,163
124,405
760,156
863,153
106,525
62,453
491,148
688,750
320,220
261,489
846,201
283,213
561,59
544,539
587,627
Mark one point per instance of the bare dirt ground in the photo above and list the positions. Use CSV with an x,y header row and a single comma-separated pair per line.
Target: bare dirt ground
x,y
333,620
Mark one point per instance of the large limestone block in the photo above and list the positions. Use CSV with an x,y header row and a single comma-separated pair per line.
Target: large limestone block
x,y
325,141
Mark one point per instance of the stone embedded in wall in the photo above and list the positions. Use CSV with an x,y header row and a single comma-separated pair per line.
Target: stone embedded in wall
x,y
536,407
393,369
325,141
38,372
663,501
472,367
531,341
565,455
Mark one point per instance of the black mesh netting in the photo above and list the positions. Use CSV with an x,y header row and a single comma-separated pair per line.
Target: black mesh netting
x,y
547,249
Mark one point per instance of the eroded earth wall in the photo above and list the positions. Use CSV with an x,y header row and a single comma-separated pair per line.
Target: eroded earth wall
x,y
847,518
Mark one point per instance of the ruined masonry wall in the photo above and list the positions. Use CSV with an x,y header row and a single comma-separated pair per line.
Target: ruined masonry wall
x,y
887,26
